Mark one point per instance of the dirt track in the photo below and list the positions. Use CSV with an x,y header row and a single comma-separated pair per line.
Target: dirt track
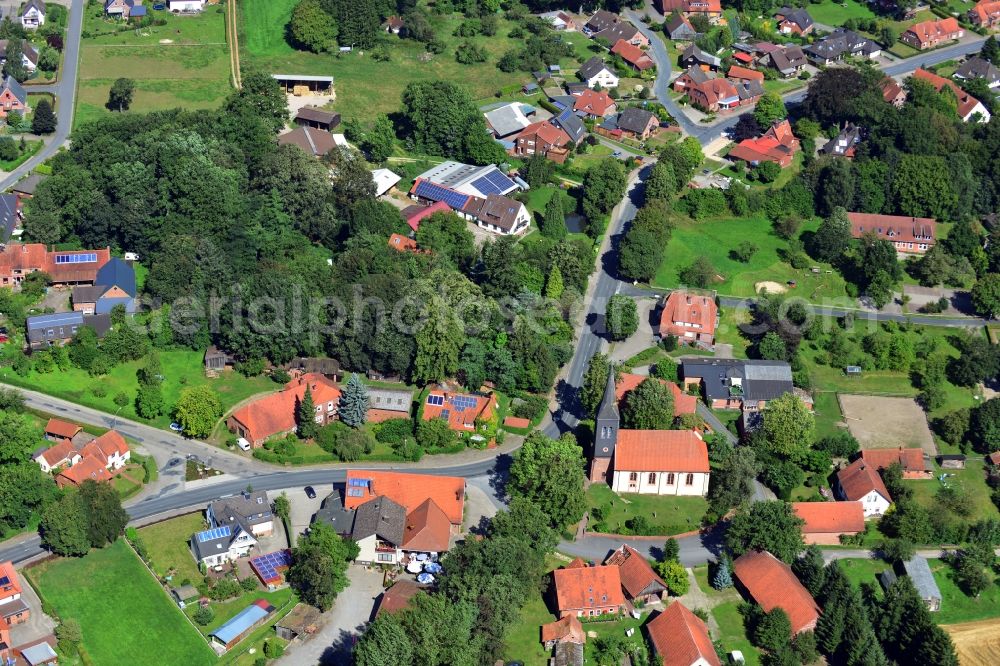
x,y
977,643
883,423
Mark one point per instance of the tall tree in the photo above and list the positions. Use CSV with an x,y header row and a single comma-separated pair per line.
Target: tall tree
x,y
312,28
789,426
305,415
64,526
442,120
603,186
378,141
549,473
197,410
319,566
439,341
120,95
770,107
553,219
594,382
44,120
354,402
662,182
649,406
102,505
621,318
770,526
260,96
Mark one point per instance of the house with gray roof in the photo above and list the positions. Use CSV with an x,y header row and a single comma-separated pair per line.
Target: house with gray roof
x,y
218,545
788,61
570,123
595,72
978,68
738,383
507,119
13,97
26,186
379,526
839,44
919,571
680,29
114,285
9,215
693,56
48,329
793,21
637,123
249,510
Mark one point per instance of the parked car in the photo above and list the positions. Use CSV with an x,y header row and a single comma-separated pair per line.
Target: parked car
x,y
176,427
310,492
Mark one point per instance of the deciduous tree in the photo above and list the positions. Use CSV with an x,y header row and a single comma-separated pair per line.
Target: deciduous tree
x,y
649,406
770,526
197,410
120,96
549,473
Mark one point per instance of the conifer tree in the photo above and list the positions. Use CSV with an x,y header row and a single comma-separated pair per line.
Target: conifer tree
x,y
554,285
723,578
307,415
354,402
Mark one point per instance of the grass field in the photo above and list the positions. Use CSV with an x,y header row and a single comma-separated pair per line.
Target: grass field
x,y
862,571
956,606
181,369
184,63
835,13
167,544
732,635
262,43
715,239
666,514
971,481
121,609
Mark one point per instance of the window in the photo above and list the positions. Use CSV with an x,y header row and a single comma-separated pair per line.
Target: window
x,y
384,557
652,477
633,477
689,481
670,478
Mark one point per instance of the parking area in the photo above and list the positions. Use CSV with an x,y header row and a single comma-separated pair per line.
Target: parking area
x,y
303,508
38,625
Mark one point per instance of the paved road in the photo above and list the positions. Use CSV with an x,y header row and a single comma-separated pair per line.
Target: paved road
x,y
64,90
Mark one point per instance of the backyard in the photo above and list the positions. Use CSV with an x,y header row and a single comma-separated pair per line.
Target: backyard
x,y
110,588
725,609
716,239
835,13
263,44
169,552
184,63
664,515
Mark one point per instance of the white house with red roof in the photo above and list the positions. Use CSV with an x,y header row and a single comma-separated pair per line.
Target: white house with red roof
x,y
909,235
691,317
969,107
825,522
586,591
660,462
861,482
277,414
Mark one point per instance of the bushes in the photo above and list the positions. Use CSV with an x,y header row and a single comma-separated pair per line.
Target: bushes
x,y
394,431
529,406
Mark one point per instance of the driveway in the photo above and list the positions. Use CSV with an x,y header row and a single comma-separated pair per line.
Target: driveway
x,y
38,625
303,508
343,623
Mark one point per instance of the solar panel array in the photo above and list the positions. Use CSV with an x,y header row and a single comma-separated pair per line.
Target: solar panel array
x,y
463,402
445,413
217,533
355,492
267,565
86,258
434,192
5,581
437,400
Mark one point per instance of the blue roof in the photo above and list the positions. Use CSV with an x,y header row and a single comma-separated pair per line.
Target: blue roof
x,y
138,10
243,621
57,319
117,273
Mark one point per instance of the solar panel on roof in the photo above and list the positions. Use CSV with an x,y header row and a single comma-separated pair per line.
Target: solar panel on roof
x,y
435,400
445,413
485,185
216,533
502,182
434,192
362,483
355,492
4,581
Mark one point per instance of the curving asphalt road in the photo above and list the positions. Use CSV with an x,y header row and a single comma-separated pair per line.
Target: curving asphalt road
x,y
64,90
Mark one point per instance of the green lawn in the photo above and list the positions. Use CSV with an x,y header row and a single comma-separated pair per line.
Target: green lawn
x,y
715,239
728,330
732,635
181,369
169,552
666,514
862,571
522,641
123,612
828,413
184,63
955,605
225,610
835,13
971,481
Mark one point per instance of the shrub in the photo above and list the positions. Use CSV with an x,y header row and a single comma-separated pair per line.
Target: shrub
x,y
248,584
394,431
203,616
273,649
530,406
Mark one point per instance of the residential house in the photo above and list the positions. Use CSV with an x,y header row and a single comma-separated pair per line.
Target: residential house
x,y
51,458
315,142
13,97
919,571
637,123
978,68
681,638
860,482
736,384
561,21
788,61
321,119
414,215
986,14
478,181
185,6
99,460
401,243
398,597
378,529
124,9
715,94
544,138
595,73
693,76
498,214
113,285
277,414
394,25
683,402
570,123
692,56
601,20
87,469
408,490
638,59
639,582
13,609
911,460
680,29
566,630
462,411
778,144
48,329
844,144
893,93
594,104
25,188
690,317
64,267
749,91
737,73
771,584
249,511
793,21
909,235
32,14
660,462
508,119
29,55
109,449
385,404
10,215
826,522
588,591
625,32
840,44
710,9
930,34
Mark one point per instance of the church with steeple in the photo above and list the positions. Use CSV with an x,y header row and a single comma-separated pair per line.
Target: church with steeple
x,y
605,432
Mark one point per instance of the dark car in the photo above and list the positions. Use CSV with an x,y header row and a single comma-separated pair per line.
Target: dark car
x,y
310,492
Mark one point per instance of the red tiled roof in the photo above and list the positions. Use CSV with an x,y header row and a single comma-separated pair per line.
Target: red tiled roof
x,y
56,455
683,403
737,72
516,422
830,517
462,420
772,584
88,468
398,597
402,243
891,90
926,31
567,630
742,57
593,102
109,444
777,144
681,638
860,478
427,529
985,10
13,585
660,451
62,429
632,54
894,228
716,90
277,413
966,102
994,457
912,460
588,587
686,312
415,214
635,572
408,490
546,132
576,563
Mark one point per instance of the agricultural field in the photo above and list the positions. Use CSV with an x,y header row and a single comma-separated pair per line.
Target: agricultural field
x,y
263,44
184,63
716,238
110,588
